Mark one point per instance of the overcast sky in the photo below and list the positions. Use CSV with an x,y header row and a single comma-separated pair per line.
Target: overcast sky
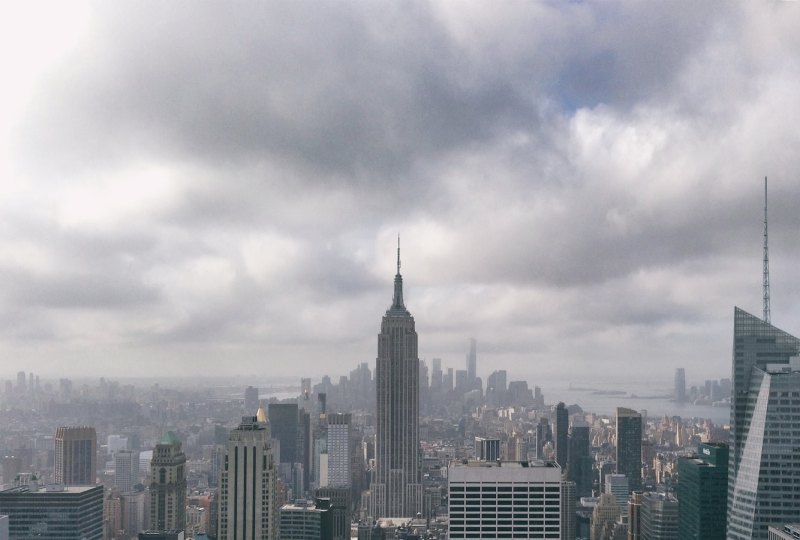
x,y
216,188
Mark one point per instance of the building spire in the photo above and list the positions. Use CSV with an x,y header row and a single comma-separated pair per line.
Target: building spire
x,y
397,300
766,259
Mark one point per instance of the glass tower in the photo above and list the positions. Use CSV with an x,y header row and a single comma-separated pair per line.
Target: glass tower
x,y
629,446
764,465
703,493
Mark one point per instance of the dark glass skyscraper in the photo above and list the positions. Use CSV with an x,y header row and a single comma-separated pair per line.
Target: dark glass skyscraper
x,y
629,446
397,488
579,469
285,424
703,493
764,465
561,434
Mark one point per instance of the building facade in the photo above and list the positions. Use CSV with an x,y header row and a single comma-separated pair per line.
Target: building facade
x,y
703,493
764,465
561,435
504,500
306,520
248,499
629,446
168,485
54,513
126,470
76,456
397,490
658,518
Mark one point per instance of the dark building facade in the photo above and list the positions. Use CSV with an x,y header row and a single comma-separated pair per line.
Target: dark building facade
x,y
285,426
54,513
629,446
579,459
76,456
703,493
562,434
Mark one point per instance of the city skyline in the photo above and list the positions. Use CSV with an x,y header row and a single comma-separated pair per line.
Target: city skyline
x,y
571,192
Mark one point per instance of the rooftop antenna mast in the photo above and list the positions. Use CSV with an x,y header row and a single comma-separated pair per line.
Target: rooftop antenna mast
x,y
766,259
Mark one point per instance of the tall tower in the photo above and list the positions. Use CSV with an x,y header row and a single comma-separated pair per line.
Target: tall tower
x,y
562,435
397,489
248,484
472,363
765,285
629,446
168,485
763,465
76,456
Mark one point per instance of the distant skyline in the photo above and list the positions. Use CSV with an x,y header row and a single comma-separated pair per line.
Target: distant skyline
x,y
194,189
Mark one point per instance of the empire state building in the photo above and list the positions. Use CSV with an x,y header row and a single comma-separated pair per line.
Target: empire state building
x,y
397,487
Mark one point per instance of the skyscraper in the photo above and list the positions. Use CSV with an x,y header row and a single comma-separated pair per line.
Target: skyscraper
x,y
658,518
60,513
284,426
339,450
251,398
248,485
168,485
75,456
680,384
562,434
703,493
579,469
629,446
764,467
472,363
397,488
126,470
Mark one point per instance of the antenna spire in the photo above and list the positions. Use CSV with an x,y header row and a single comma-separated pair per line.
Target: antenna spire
x,y
398,254
766,259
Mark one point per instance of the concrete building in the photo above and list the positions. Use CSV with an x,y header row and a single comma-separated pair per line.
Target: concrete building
x,y
126,470
786,532
76,456
397,489
617,485
248,506
487,449
629,446
168,485
56,512
763,472
658,518
495,499
568,511
339,434
604,516
703,493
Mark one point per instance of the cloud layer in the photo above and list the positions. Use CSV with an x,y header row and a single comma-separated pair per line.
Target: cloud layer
x,y
194,188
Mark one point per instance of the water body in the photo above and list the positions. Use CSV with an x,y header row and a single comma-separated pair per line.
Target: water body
x,y
604,399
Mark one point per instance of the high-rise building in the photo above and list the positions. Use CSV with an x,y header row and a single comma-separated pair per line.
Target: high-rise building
x,y
251,398
436,375
680,384
76,456
248,499
126,470
496,390
339,434
604,515
658,518
168,485
785,532
54,513
397,489
617,485
579,469
562,434
472,363
448,380
764,467
703,493
629,446
284,425
635,515
568,511
339,498
499,499
487,449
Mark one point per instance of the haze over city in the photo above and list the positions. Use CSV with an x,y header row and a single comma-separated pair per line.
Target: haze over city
x,y
190,188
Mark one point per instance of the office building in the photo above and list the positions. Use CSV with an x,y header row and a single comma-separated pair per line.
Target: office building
x,y
339,434
562,434
617,485
248,506
306,520
568,511
635,515
504,499
472,363
658,517
604,516
764,466
168,485
251,401
56,512
4,534
340,506
162,535
680,385
629,446
579,469
284,425
397,487
496,388
75,456
703,493
785,532
487,449
126,470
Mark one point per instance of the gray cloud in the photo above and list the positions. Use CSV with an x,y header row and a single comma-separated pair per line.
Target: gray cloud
x,y
575,183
